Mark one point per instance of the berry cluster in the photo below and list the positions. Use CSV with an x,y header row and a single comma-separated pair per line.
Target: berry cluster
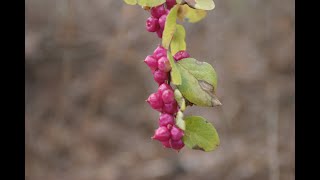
x,y
157,21
163,100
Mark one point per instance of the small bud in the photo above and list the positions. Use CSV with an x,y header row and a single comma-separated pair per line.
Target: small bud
x,y
171,3
162,21
166,144
155,101
161,134
152,24
159,52
158,11
170,108
181,55
151,62
176,133
167,96
166,119
163,87
164,64
160,76
177,145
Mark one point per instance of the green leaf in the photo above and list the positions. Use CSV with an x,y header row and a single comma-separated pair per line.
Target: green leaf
x,y
170,27
180,122
201,4
198,82
179,98
131,2
191,15
178,40
175,74
151,3
200,134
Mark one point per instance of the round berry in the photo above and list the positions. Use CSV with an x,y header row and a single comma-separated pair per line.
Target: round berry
x,y
160,52
158,11
166,119
167,96
159,32
152,24
161,134
162,21
176,133
163,87
171,3
164,64
155,101
177,145
170,108
151,62
166,144
181,55
160,76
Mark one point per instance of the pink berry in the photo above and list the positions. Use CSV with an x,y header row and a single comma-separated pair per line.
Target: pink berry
x,y
160,52
162,21
166,144
164,64
163,87
181,55
155,101
168,96
160,76
171,3
166,119
161,134
176,133
152,24
177,145
151,62
170,108
158,11
159,32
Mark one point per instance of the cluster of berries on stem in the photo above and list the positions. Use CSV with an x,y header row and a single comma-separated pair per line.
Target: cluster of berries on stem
x,y
163,100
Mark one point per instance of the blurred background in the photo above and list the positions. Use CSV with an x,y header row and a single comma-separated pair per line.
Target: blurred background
x,y
85,88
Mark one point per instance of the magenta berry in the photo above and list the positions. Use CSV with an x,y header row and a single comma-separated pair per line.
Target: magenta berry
x,y
167,96
164,64
151,62
181,55
166,119
158,11
152,24
170,108
162,21
163,87
176,133
160,52
170,3
155,101
166,144
177,145
159,32
162,134
160,76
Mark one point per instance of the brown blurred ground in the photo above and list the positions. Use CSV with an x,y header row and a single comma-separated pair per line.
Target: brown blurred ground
x,y
86,118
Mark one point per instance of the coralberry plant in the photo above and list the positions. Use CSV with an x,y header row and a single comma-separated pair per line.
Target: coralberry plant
x,y
182,81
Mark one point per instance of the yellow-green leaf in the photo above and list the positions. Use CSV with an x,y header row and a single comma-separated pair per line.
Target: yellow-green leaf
x,y
150,3
200,134
179,121
201,4
178,40
198,82
170,27
191,15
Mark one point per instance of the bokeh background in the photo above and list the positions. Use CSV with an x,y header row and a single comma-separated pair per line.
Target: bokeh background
x,y
85,86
